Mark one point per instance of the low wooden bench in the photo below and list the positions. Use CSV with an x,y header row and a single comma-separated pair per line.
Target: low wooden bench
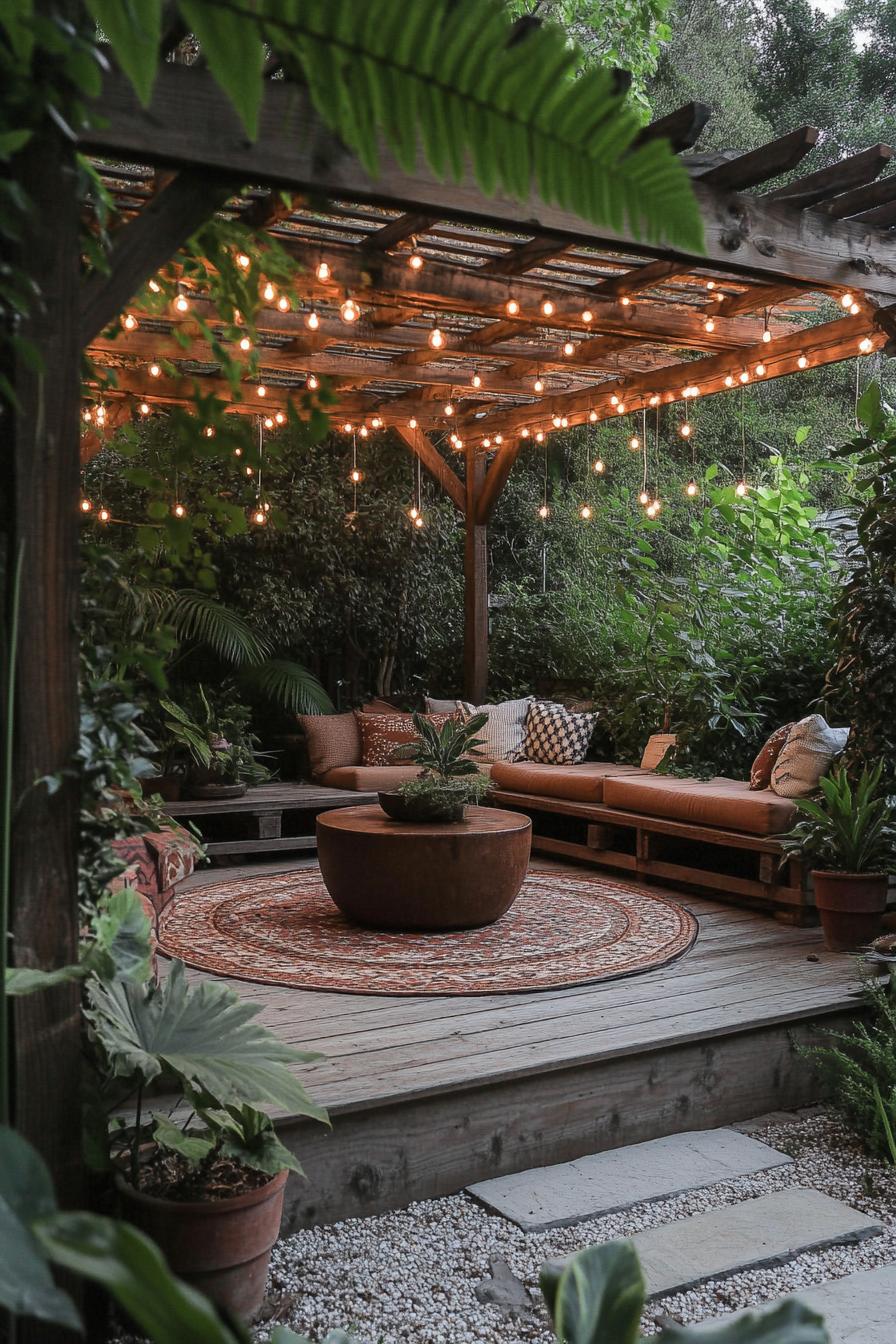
x,y
733,865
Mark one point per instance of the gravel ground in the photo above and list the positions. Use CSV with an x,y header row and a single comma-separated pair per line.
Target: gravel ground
x,y
411,1275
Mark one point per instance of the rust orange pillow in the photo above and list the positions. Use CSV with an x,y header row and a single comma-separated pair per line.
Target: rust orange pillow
x,y
764,764
381,734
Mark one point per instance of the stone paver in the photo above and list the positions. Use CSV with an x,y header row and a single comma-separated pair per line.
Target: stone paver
x,y
764,1231
604,1182
857,1309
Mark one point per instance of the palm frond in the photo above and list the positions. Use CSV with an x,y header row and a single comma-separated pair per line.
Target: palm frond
x,y
288,685
195,615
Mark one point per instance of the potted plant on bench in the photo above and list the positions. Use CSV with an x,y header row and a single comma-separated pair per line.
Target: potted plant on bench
x,y
849,837
449,778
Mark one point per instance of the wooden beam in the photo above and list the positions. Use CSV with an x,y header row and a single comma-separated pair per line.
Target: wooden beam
x,y
637,279
850,204
475,584
160,229
882,216
398,231
682,128
854,171
495,480
523,256
758,165
435,464
190,121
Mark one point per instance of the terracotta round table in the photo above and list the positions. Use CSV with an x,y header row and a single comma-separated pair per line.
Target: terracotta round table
x,y
420,875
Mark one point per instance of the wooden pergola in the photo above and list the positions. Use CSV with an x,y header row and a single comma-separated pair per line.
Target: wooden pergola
x,y
519,291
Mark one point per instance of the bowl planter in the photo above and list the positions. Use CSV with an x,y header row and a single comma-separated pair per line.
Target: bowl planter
x,y
420,809
851,906
220,1246
219,790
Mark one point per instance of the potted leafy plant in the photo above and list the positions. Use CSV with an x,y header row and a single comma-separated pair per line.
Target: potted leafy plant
x,y
449,778
203,1174
849,838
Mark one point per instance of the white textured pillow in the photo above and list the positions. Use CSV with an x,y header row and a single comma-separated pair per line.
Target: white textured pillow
x,y
502,736
440,706
810,750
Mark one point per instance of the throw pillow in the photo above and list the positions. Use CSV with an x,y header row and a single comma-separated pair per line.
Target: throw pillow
x,y
811,747
382,733
554,736
503,734
440,706
332,740
764,764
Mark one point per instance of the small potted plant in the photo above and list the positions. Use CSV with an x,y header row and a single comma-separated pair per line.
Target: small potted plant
x,y
849,838
449,778
203,1174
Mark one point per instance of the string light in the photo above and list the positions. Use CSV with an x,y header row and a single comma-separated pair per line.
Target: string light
x,y
569,348
448,408
269,422
486,443
284,305
655,399
803,362
729,380
209,431
280,418
413,513
323,271
363,431
592,416
143,408
129,322
245,343
418,521
155,371
866,345
653,508
555,421
846,300
415,261
347,428
547,307
614,400
709,324
620,409
182,303
476,380
356,475
499,439
539,436
744,376
524,433
243,261
543,512
261,390
599,466
87,415
179,511
436,338
684,430
760,370
741,489
710,284
511,307
268,293
259,517
564,422
587,315
855,309
376,422
155,286
349,311
412,423
86,505
692,488
625,301
312,382
538,385
585,513
634,443
644,497
103,516
312,321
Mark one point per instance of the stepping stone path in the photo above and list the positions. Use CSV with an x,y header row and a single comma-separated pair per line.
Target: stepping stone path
x,y
679,1255
589,1187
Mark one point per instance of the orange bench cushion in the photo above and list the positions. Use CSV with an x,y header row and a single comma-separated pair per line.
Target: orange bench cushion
x,y
727,803
577,783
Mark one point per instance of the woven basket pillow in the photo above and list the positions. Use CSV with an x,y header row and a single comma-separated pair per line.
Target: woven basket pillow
x,y
503,734
811,748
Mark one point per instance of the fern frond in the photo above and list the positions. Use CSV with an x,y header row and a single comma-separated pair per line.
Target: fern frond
x,y
288,685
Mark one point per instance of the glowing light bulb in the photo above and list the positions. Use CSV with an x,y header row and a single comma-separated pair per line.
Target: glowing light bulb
x,y
741,489
599,466
87,416
268,293
412,423
237,452
655,399
563,422
418,521
312,321
543,511
182,303
625,300
448,408
846,300
313,382
614,400
547,307
729,380
555,421
538,385
179,511
486,443
652,509
245,343
524,433
692,489
249,471
854,308
511,307
685,430
766,335
592,416
569,348
620,409
585,512
539,436
760,370
209,431
155,286
587,315
280,418
634,443
866,345
323,271
129,322
347,428
143,408
643,497
260,517
349,311
436,338
104,515
710,284
363,432
415,261
476,380
356,476
261,390
413,513
243,261
376,422
283,305
155,371
803,362
709,324
86,506
744,376
269,422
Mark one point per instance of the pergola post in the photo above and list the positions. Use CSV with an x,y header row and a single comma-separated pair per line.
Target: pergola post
x,y
475,583
40,490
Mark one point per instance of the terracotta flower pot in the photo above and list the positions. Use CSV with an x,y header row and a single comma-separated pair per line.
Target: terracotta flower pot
x,y
220,1246
851,906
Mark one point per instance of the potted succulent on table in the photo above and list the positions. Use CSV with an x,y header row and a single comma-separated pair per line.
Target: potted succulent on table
x,y
848,835
203,1173
449,778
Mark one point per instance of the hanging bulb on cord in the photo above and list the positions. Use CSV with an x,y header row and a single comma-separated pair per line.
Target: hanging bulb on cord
x,y
349,311
436,338
692,488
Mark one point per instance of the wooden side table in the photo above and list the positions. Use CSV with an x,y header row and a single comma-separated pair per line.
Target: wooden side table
x,y
423,876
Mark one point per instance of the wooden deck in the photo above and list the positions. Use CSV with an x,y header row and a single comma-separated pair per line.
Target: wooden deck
x,y
429,1094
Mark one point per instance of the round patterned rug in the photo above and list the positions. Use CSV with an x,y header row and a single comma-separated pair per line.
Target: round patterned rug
x,y
562,930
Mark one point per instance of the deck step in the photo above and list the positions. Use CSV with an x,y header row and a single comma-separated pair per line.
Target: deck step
x,y
592,1186
857,1309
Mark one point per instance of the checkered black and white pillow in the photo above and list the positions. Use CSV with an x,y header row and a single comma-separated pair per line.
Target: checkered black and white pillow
x,y
555,735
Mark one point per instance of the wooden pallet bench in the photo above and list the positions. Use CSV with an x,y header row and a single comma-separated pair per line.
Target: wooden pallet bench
x,y
272,818
732,865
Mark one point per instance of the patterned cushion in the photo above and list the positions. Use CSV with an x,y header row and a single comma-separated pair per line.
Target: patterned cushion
x,y
554,736
809,752
764,764
503,734
382,733
332,740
